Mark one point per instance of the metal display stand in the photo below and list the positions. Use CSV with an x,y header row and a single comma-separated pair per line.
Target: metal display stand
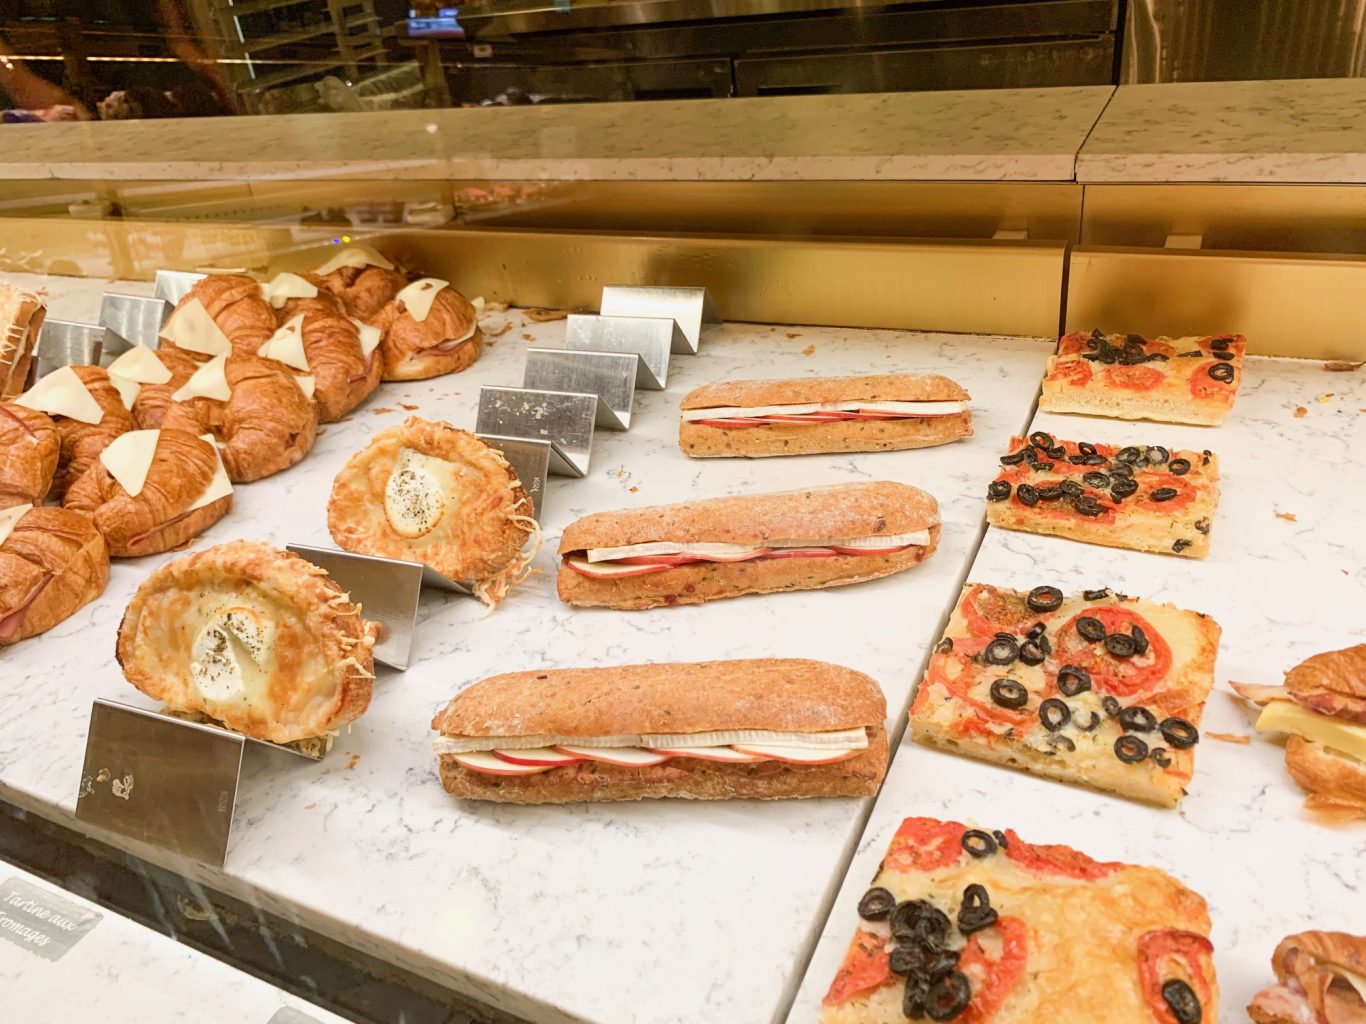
x,y
133,319
692,308
67,343
172,285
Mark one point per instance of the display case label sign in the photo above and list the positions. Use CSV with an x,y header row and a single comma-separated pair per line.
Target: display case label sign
x,y
40,921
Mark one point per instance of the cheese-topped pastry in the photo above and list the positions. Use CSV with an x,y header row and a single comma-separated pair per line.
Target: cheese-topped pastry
x,y
317,338
363,279
88,412
427,492
134,368
52,562
253,637
29,449
427,329
221,308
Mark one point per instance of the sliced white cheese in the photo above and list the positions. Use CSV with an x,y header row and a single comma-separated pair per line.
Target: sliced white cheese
x,y
1344,737
478,303
209,381
9,519
418,297
141,364
283,287
229,653
307,383
739,551
752,411
62,393
1355,980
127,389
129,456
415,496
369,336
286,345
220,486
849,739
354,256
192,328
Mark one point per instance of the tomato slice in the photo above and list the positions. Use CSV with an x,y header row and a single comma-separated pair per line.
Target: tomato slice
x,y
1055,859
1121,677
1168,954
957,673
1073,372
989,611
1202,385
994,961
866,966
1134,378
1074,343
925,844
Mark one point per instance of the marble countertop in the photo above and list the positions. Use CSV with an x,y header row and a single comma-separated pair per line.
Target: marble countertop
x,y
119,971
981,135
646,913
1283,132
1285,579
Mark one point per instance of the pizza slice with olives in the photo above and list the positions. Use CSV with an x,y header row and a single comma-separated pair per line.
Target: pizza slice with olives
x,y
1141,497
980,927
1128,376
1096,688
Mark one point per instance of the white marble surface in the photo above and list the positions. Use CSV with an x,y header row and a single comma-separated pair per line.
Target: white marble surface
x,y
979,135
1297,131
652,913
1282,590
122,973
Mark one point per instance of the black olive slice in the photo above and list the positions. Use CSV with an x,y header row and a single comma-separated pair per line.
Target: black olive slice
x,y
1163,494
1096,595
1000,838
1076,460
1157,357
1087,505
944,646
1157,455
1222,372
1129,455
1001,651
1099,481
1042,439
1121,645
1086,448
1057,739
1091,629
1179,997
1130,749
945,961
1179,467
1072,489
932,927
1007,693
905,959
1193,353
1140,640
1125,488
1027,495
1132,356
1207,456
1031,653
1014,458
1222,355
1109,705
1180,544
1090,357
1095,460
1091,724
1109,356
976,911
913,999
1120,470
1202,526
905,916
1160,757
1057,452
1072,680
998,490
1041,467
1135,339
1045,645
876,904
1050,492
1054,714
1001,634
1097,334
1179,733
1219,344
979,843
1044,599
949,996
1137,719
1036,631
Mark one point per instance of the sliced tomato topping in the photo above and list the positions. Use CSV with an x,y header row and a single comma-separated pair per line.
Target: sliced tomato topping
x,y
1202,385
866,966
1120,677
1134,378
1170,954
1055,859
994,961
1074,372
1154,347
925,844
989,611
957,673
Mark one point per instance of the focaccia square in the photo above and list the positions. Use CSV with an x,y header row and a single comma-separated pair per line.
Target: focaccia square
x,y
1141,497
982,927
1130,377
1096,689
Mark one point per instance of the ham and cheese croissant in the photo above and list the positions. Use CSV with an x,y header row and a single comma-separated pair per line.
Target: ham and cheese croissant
x,y
427,330
363,291
29,449
1321,979
235,306
52,561
345,368
88,413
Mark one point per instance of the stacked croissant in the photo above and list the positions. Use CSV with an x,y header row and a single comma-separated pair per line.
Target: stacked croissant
x,y
142,456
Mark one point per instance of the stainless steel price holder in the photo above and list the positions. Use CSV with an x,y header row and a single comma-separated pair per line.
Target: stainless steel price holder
x,y
612,376
67,343
691,308
132,320
563,420
172,285
530,460
650,338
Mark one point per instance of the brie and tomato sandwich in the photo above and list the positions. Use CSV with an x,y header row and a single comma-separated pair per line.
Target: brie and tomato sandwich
x,y
756,418
769,729
756,544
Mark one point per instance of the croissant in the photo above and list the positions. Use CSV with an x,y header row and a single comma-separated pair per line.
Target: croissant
x,y
266,425
29,449
237,306
53,562
1314,987
363,291
83,442
448,341
343,376
159,517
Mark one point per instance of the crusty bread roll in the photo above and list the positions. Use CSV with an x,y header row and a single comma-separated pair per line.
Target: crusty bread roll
x,y
53,562
29,450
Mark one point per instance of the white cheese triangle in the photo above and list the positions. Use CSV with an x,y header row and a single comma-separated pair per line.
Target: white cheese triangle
x,y
141,364
220,486
127,389
283,287
418,297
192,328
355,256
62,393
128,458
369,336
209,381
9,519
306,383
478,303
286,345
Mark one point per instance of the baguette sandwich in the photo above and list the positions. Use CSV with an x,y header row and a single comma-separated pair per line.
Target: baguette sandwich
x,y
768,729
757,418
756,544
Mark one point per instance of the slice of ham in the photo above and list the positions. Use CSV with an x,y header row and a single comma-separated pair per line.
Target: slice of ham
x,y
1346,706
12,620
1314,987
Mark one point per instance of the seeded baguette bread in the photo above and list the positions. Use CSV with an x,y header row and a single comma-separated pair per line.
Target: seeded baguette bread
x,y
890,387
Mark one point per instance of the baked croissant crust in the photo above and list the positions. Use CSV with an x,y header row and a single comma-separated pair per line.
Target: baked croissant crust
x,y
81,443
1311,969
29,449
343,376
442,343
21,318
238,308
253,637
53,562
158,518
1332,683
266,425
427,492
363,291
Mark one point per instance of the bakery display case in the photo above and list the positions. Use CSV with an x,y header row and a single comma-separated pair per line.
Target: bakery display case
x,y
607,599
